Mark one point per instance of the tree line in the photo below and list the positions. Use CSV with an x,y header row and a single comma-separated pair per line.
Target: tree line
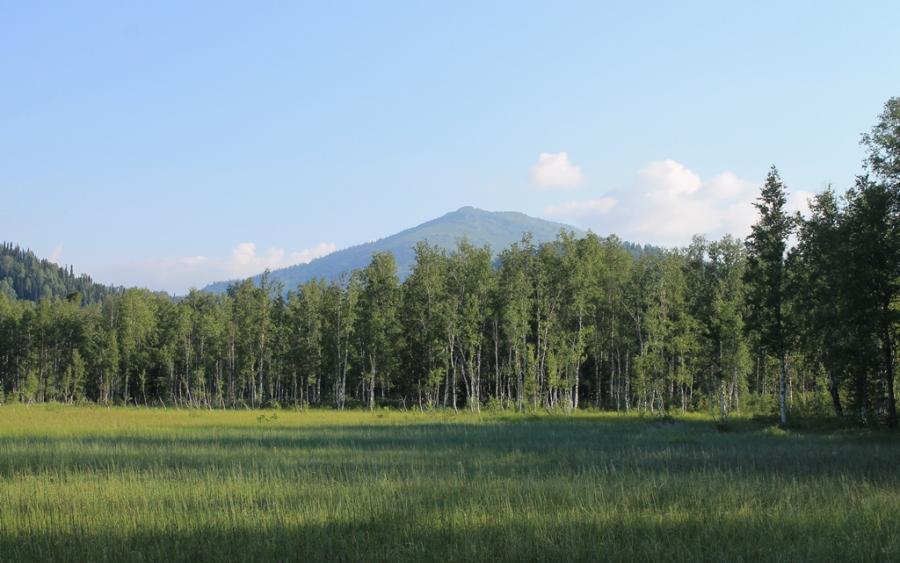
x,y
802,315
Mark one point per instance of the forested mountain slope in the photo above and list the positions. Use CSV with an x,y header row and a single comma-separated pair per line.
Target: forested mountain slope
x,y
497,229
25,276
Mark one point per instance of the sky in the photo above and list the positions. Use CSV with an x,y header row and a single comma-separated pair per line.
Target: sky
x,y
172,144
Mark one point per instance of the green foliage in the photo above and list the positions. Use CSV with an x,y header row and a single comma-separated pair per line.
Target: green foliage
x,y
776,432
766,277
24,276
30,390
378,329
882,144
555,326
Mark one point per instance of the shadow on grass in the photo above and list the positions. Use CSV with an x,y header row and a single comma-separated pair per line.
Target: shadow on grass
x,y
401,537
509,449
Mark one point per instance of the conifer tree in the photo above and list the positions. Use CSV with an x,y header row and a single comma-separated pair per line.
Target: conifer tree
x,y
766,279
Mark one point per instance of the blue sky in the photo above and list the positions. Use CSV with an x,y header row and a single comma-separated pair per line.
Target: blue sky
x,y
171,144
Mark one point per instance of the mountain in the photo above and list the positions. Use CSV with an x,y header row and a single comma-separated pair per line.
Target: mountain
x,y
498,229
25,276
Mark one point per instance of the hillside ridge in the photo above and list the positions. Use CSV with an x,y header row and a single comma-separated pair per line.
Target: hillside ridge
x,y
497,229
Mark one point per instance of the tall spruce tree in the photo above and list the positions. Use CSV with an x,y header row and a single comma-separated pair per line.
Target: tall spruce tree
x,y
765,277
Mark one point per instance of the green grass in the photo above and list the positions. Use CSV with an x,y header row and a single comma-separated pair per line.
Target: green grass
x,y
176,485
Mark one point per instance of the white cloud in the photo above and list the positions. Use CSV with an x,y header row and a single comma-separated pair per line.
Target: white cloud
x,y
727,185
177,275
246,262
668,203
668,180
555,170
581,209
243,255
799,201
310,254
56,253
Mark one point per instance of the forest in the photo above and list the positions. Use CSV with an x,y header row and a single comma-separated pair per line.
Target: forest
x,y
802,316
25,276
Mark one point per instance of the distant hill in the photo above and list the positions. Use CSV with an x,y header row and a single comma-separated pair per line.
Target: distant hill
x,y
498,229
25,276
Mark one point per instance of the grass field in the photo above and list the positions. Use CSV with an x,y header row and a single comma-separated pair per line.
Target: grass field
x,y
81,483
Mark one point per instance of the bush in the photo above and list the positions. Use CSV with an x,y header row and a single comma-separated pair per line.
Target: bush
x,y
493,404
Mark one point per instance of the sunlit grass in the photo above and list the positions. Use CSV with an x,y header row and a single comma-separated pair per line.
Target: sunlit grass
x,y
93,483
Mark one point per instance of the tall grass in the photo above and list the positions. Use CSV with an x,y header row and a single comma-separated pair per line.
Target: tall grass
x,y
87,483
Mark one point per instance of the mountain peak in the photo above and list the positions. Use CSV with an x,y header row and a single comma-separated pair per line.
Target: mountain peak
x,y
496,229
470,210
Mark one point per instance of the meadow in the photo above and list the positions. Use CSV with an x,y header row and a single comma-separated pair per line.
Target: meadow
x,y
98,484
